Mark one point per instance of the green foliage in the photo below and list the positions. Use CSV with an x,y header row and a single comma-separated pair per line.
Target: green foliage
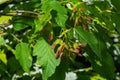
x,y
21,23
45,58
61,16
42,21
2,41
46,39
3,57
88,38
23,54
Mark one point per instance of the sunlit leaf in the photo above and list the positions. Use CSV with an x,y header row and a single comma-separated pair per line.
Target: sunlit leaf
x,y
19,26
2,41
61,19
61,14
3,57
61,11
98,77
2,1
45,58
4,19
23,55
42,21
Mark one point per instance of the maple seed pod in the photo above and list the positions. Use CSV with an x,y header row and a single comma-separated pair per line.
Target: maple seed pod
x,y
83,45
89,19
53,46
77,21
57,54
78,51
75,10
71,55
63,47
72,16
61,55
50,37
85,26
82,10
44,31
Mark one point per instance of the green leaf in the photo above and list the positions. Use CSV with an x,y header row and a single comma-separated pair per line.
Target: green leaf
x,y
60,71
3,68
102,5
3,57
23,55
61,19
45,58
4,19
97,77
21,23
13,69
116,4
48,5
105,67
19,26
2,41
116,19
38,25
61,13
42,21
87,37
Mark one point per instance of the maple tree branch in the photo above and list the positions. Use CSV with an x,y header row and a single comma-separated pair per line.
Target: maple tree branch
x,y
17,13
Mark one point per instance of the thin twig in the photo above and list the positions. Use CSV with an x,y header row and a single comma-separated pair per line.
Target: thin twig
x,y
16,13
10,48
30,12
9,14
16,38
11,34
